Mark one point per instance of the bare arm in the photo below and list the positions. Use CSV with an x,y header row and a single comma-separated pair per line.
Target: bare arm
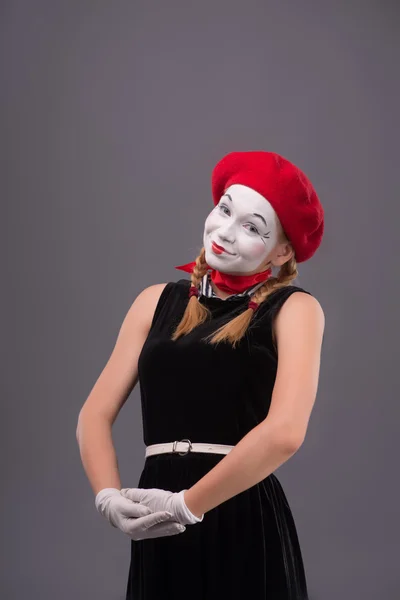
x,y
299,330
111,391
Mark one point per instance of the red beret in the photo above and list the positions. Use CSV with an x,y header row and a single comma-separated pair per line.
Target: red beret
x,y
288,190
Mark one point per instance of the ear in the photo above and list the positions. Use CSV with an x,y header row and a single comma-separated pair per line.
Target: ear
x,y
282,254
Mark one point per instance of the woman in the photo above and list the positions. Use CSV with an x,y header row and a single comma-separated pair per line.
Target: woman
x,y
228,365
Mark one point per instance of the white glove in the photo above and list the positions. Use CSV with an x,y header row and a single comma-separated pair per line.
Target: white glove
x,y
163,500
137,521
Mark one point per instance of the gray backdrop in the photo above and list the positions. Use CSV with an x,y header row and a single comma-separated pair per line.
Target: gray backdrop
x,y
113,115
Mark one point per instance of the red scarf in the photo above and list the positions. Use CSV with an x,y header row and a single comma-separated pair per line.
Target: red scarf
x,y
231,284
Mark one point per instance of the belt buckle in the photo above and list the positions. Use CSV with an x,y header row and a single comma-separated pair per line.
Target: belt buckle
x,y
182,453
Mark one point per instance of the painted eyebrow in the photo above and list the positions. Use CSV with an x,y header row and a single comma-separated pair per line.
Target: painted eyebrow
x,y
254,214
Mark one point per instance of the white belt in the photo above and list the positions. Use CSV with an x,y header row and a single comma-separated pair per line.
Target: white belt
x,y
184,446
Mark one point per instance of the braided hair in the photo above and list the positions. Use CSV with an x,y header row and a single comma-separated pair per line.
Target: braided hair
x,y
233,331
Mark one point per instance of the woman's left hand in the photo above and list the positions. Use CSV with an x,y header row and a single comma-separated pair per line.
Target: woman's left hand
x,y
161,500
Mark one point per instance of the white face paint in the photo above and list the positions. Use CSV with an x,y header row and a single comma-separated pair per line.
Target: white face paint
x,y
237,224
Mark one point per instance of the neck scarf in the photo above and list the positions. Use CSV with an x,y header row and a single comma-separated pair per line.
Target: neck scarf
x,y
231,284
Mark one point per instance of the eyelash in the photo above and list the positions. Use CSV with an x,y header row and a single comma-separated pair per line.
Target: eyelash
x,y
224,206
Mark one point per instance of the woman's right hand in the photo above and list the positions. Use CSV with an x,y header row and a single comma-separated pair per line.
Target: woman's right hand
x,y
134,519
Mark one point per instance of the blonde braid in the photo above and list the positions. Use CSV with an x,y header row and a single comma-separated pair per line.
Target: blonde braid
x,y
233,331
195,312
237,327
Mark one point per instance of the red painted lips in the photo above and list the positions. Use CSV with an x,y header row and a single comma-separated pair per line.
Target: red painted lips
x,y
218,249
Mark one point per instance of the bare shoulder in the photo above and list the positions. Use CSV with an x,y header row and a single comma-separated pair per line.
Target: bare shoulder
x,y
120,374
300,315
299,331
302,301
146,302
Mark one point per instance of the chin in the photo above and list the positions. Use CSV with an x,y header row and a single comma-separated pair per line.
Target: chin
x,y
211,260
219,265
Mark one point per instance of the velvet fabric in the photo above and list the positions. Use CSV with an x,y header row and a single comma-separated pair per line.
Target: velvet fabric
x,y
247,547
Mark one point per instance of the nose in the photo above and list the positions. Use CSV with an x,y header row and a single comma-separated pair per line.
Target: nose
x,y
226,233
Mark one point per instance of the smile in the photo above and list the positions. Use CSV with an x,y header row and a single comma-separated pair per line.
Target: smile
x,y
218,249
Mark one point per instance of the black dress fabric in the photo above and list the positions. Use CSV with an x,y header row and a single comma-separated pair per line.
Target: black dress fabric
x,y
247,547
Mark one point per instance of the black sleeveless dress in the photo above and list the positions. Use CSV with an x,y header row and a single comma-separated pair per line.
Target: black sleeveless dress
x,y
247,547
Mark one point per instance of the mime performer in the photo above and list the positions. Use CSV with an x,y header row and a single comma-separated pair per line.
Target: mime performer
x,y
228,364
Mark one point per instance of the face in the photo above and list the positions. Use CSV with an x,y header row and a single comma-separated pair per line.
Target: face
x,y
246,226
